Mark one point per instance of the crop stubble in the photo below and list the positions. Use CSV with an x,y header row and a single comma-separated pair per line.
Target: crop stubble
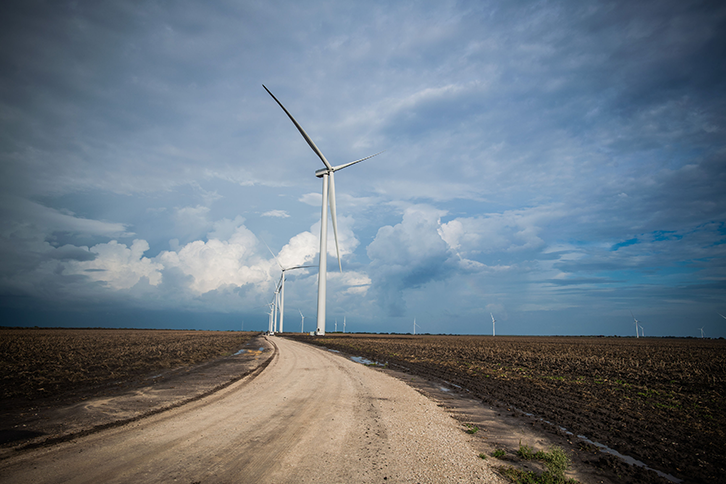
x,y
659,400
52,363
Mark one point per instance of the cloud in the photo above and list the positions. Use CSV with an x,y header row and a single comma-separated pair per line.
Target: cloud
x,y
217,263
118,266
408,255
276,213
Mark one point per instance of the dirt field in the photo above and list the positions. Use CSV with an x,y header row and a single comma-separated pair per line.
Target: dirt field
x,y
311,416
660,401
55,364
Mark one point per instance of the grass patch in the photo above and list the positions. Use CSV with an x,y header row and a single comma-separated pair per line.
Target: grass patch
x,y
555,460
471,429
499,453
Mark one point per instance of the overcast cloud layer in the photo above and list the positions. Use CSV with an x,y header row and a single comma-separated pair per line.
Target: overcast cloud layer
x,y
559,164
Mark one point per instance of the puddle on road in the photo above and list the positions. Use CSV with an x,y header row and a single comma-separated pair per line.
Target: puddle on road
x,y
244,350
367,362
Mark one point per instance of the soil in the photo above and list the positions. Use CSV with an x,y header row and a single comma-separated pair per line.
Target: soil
x,y
85,409
496,406
311,416
656,401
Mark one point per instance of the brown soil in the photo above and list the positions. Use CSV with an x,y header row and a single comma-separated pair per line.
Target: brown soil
x,y
659,401
41,418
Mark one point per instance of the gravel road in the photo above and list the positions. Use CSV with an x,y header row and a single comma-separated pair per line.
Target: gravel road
x,y
310,416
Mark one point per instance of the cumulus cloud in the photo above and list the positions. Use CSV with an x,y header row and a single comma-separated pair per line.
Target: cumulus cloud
x,y
409,254
509,231
118,266
216,263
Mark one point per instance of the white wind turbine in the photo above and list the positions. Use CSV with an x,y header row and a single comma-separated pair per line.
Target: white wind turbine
x,y
270,324
637,335
702,334
494,322
302,322
328,199
281,285
414,326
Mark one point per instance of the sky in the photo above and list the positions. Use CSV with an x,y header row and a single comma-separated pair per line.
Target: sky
x,y
560,165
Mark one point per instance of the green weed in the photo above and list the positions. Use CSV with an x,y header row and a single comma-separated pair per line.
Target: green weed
x,y
499,453
555,460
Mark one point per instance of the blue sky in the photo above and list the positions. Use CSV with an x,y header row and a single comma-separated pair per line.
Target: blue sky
x,y
558,164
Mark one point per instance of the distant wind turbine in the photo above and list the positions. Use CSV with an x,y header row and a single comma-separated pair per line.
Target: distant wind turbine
x,y
414,325
344,324
642,332
302,323
270,324
636,325
494,322
702,334
328,199
281,283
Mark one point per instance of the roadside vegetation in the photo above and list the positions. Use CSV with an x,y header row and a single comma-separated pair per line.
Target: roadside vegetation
x,y
555,461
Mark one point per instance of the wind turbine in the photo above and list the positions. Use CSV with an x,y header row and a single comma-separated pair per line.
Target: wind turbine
x,y
637,335
642,332
702,335
328,199
343,324
302,323
414,326
270,324
281,284
494,322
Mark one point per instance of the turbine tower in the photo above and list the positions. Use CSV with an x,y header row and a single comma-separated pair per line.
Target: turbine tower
x,y
281,284
270,323
328,199
302,323
637,335
494,322
702,335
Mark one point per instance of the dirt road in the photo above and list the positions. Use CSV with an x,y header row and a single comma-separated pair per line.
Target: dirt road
x,y
310,416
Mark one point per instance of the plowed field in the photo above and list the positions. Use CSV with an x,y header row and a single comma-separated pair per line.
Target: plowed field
x,y
50,364
658,400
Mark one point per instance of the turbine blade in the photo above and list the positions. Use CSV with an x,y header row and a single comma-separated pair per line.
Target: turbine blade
x,y
331,201
299,267
340,167
273,255
302,132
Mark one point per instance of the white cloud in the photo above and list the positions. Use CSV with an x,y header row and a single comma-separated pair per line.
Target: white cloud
x,y
276,214
118,266
312,199
217,263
